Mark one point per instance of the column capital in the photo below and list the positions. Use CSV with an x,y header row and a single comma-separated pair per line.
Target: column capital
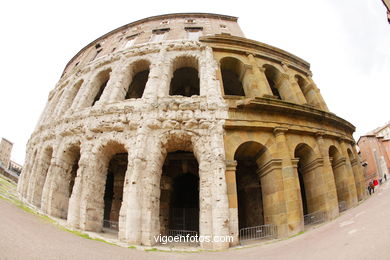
x,y
319,134
280,130
249,54
248,66
231,165
261,68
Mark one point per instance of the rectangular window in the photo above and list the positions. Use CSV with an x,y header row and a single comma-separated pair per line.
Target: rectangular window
x,y
130,40
158,35
193,33
194,36
129,43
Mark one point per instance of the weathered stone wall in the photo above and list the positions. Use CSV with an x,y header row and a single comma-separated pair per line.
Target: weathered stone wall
x,y
280,123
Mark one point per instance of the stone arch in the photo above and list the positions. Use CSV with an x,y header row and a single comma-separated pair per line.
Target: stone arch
x,y
71,95
64,179
309,169
185,76
263,174
40,174
232,70
110,158
96,87
148,172
273,75
137,77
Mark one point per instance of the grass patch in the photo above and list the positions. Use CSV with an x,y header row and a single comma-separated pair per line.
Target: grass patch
x,y
151,249
132,247
300,233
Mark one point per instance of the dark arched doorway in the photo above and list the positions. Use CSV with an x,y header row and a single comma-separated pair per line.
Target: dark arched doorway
x,y
179,199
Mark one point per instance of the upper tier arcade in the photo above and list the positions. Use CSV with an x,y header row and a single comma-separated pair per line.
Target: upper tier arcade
x,y
153,29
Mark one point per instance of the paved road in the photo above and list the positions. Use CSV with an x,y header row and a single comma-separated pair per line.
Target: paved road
x,y
360,233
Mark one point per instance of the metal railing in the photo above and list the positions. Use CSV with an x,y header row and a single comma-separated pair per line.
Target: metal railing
x,y
181,233
342,206
111,224
258,232
314,218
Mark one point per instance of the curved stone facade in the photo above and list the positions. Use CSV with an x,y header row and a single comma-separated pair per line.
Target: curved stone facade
x,y
178,122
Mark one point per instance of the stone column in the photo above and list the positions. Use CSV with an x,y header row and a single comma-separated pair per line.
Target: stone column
x,y
29,188
350,179
73,218
47,187
130,216
262,83
83,92
360,176
119,83
298,91
165,198
26,171
213,197
332,210
140,181
360,189
320,99
230,176
273,196
208,76
92,195
59,194
292,192
285,88
38,179
160,76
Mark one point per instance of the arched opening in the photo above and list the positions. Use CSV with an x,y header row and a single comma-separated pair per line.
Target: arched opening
x,y
99,84
102,206
185,80
272,75
72,95
307,178
113,193
65,182
232,71
179,199
41,178
250,157
140,74
338,167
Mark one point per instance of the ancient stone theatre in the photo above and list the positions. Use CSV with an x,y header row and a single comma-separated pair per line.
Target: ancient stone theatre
x,y
178,122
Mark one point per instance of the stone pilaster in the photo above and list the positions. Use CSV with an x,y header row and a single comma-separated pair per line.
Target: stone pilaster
x,y
360,174
300,97
350,179
292,193
73,218
318,95
285,88
231,184
328,178
262,82
273,195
